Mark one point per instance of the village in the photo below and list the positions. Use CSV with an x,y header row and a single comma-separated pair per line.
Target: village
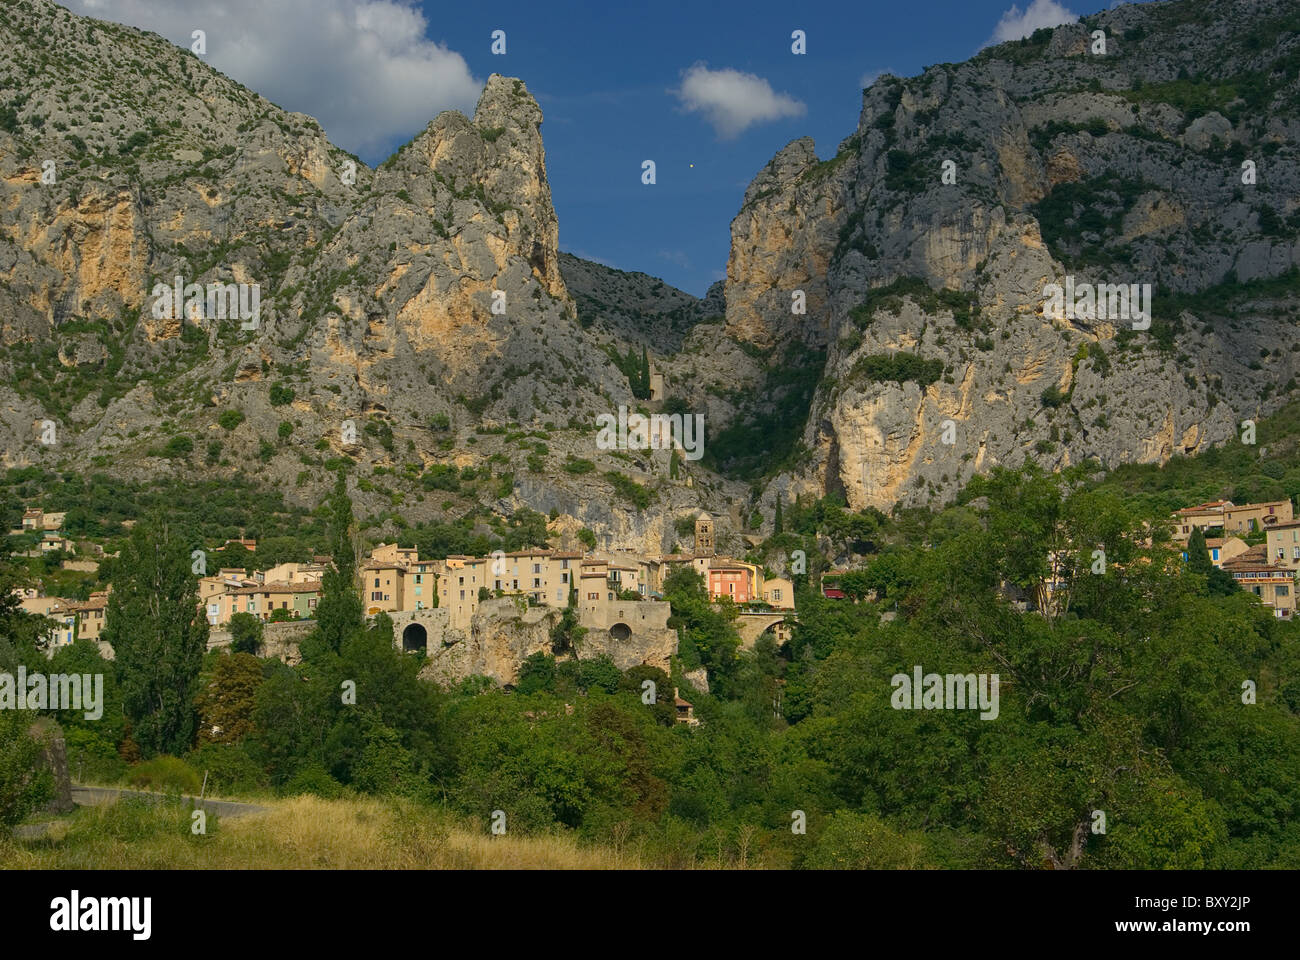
x,y
396,581
1258,544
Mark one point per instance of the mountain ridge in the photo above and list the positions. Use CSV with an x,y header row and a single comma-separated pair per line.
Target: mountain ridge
x,y
381,294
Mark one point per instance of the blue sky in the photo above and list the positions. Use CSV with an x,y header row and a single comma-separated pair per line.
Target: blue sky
x,y
713,85
607,85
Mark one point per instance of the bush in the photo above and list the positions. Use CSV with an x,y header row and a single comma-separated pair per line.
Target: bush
x,y
856,841
536,674
92,758
230,769
230,419
166,774
178,447
899,368
629,490
313,778
281,395
441,476
25,784
245,633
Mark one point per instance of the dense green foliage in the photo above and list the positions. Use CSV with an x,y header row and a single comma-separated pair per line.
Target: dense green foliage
x,y
899,368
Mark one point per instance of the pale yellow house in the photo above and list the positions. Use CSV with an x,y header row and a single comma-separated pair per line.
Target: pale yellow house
x,y
381,586
419,585
1283,541
1222,549
778,592
1253,517
392,553
1203,516
459,581
91,615
294,572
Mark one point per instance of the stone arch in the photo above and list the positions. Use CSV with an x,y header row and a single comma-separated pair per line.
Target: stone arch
x,y
620,631
415,638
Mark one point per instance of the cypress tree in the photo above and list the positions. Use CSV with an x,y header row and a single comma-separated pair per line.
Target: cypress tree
x,y
340,613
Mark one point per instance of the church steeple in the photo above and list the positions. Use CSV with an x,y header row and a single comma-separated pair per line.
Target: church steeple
x,y
704,535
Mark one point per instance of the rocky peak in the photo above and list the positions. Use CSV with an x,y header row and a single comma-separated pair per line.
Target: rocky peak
x,y
506,102
793,159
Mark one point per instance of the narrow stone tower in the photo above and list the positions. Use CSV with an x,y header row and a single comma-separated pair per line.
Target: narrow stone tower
x,y
704,535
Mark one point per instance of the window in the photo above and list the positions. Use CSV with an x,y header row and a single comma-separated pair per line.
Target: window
x,y
536,583
462,583
564,578
462,594
419,578
776,593
498,586
376,581
1283,591
593,596
311,603
564,565
537,568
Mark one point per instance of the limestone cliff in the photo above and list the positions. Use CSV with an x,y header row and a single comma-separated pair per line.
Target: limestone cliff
x,y
413,317
1119,167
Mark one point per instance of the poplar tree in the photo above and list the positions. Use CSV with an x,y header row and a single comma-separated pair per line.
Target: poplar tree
x,y
159,635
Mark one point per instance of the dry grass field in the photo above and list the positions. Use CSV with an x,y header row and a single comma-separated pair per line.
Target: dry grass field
x,y
303,832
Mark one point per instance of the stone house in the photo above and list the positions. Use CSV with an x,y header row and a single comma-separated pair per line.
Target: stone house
x,y
1253,517
1283,544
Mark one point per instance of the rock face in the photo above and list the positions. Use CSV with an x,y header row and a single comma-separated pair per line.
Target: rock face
x,y
880,331
504,633
407,314
55,757
1064,162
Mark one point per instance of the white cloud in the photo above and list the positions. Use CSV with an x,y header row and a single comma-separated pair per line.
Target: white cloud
x,y
1016,24
733,101
871,76
676,257
364,68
